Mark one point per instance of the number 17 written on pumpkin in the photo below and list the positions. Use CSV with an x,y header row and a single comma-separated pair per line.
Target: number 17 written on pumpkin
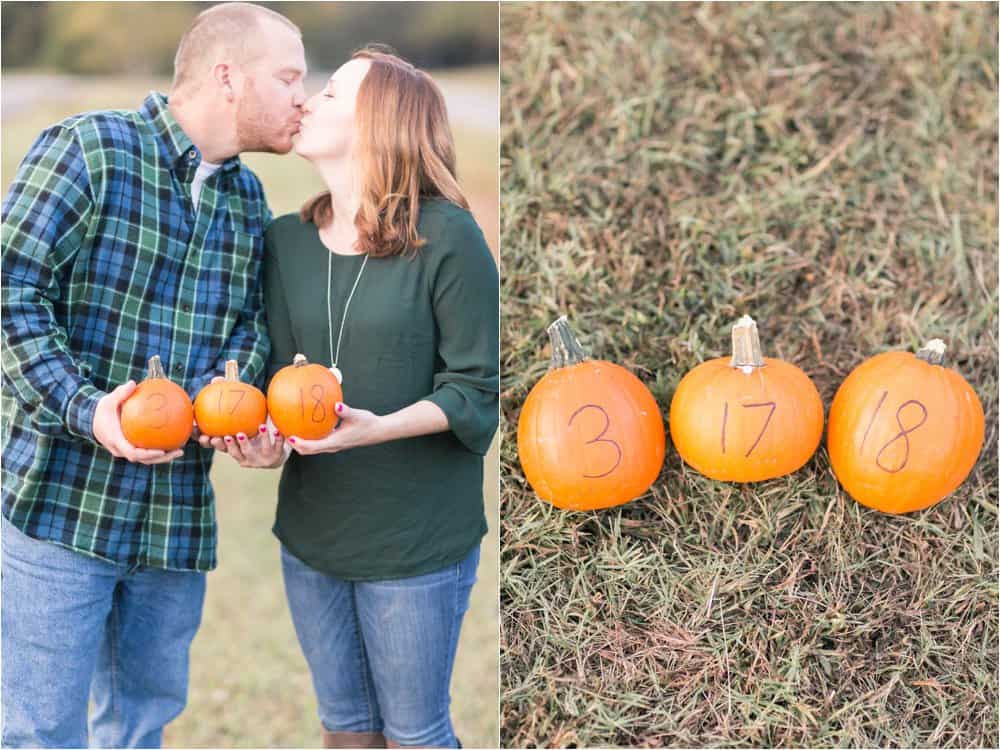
x,y
772,406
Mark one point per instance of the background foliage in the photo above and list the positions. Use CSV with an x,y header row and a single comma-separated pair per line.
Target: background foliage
x,y
140,38
830,169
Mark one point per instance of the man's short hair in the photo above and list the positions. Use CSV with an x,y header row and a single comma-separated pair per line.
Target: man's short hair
x,y
225,27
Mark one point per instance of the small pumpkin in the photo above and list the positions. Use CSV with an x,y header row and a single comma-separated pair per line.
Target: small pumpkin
x,y
905,431
590,434
158,415
301,399
229,407
746,418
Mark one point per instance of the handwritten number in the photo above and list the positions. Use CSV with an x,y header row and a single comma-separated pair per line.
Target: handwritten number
x,y
767,421
872,421
903,434
239,398
160,408
600,438
725,419
318,403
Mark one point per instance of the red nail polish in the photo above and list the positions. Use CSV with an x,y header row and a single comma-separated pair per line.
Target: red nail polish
x,y
263,430
241,437
228,439
340,408
276,433
291,440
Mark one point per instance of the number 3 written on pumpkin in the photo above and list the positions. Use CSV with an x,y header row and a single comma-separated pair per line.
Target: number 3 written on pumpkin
x,y
600,438
160,408
767,421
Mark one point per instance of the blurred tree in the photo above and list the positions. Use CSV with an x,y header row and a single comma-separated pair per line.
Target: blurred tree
x,y
21,32
120,37
141,37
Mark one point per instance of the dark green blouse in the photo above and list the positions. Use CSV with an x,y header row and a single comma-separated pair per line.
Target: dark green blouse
x,y
420,328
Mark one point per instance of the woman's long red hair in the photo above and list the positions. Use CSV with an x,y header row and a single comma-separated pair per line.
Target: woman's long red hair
x,y
406,152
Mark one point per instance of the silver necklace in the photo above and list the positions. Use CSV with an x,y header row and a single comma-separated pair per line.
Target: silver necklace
x,y
335,353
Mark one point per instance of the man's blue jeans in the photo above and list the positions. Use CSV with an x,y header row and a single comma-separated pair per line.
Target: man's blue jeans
x,y
381,652
76,627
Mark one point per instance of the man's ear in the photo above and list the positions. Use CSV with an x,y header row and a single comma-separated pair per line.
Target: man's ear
x,y
221,73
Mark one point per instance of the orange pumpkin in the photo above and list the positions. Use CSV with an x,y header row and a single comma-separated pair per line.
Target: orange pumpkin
x,y
301,400
229,407
746,418
904,430
158,415
590,434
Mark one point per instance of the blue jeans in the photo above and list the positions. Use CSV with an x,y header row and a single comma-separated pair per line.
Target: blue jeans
x,y
381,652
75,626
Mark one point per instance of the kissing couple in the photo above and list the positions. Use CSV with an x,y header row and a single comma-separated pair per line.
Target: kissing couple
x,y
128,234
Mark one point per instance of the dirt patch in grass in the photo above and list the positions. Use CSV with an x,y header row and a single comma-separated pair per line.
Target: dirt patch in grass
x,y
831,170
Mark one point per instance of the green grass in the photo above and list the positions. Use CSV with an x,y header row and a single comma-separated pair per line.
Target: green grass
x,y
250,686
832,171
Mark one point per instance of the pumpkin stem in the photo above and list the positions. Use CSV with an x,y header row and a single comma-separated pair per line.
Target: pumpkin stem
x,y
932,352
232,371
746,345
566,350
156,368
300,360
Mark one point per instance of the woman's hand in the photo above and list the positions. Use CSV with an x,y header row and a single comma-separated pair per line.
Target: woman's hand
x,y
357,427
266,450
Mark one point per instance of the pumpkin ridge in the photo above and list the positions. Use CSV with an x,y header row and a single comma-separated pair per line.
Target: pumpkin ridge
x,y
627,401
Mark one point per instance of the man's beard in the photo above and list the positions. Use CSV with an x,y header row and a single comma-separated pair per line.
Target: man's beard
x,y
254,131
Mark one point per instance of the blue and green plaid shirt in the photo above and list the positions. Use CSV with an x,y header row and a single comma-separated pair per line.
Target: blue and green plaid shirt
x,y
106,262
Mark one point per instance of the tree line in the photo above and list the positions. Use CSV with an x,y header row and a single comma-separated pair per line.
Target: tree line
x,y
141,38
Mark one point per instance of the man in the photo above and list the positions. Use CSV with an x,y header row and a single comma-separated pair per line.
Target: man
x,y
128,234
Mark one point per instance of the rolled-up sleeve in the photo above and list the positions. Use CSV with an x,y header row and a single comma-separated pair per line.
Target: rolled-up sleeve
x,y
466,297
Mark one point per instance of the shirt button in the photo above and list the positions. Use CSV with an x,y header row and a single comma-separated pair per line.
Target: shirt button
x,y
178,368
186,308
192,154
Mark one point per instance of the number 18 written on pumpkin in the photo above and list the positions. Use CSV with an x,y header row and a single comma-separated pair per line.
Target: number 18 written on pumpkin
x,y
318,413
917,409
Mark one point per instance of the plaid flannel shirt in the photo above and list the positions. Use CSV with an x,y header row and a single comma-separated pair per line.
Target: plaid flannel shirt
x,y
106,262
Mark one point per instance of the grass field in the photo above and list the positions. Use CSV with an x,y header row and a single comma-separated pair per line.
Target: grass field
x,y
249,683
832,171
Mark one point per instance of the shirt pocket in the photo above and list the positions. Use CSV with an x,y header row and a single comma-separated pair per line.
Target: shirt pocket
x,y
232,276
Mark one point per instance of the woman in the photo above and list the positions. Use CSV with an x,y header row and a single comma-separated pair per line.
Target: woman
x,y
380,522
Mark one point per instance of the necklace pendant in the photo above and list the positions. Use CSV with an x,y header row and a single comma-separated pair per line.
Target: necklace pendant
x,y
337,374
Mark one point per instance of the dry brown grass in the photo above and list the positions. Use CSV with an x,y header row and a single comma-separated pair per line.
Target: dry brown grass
x,y
832,170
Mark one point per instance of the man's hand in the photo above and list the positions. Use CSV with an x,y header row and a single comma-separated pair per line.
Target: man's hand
x,y
108,430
